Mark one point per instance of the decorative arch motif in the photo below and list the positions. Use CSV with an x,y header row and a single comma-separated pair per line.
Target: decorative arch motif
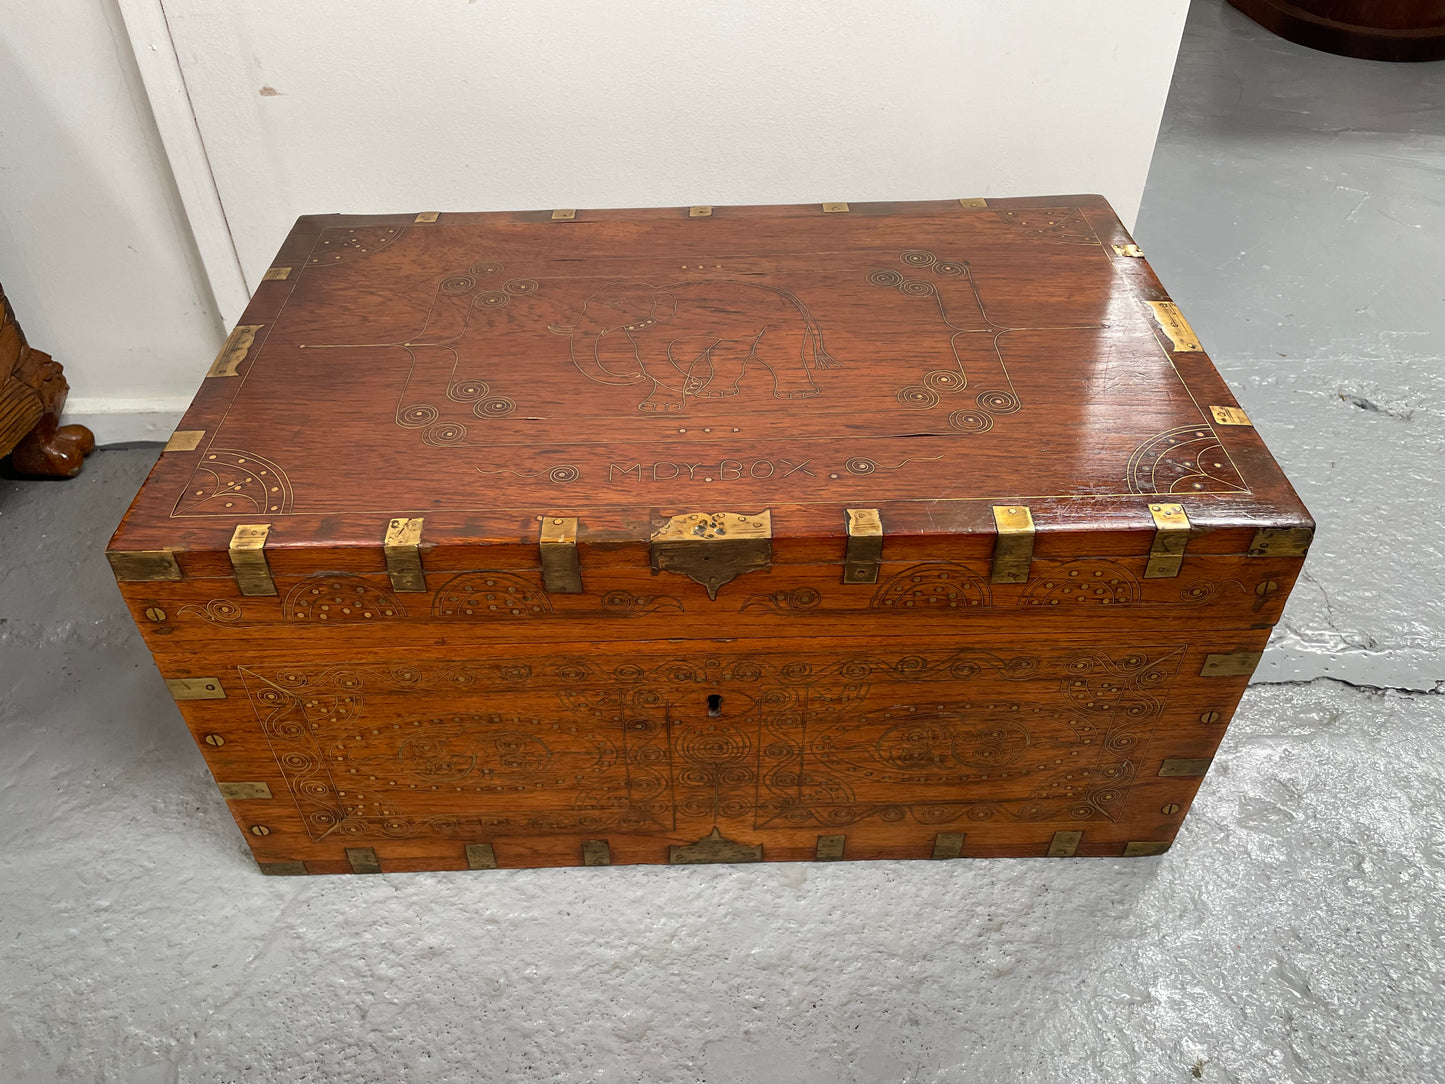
x,y
1091,581
1065,225
342,245
232,482
338,598
933,585
490,596
1185,459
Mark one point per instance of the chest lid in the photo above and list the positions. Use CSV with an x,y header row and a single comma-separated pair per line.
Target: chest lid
x,y
964,376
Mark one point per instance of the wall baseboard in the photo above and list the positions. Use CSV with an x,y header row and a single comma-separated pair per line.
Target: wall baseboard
x,y
119,421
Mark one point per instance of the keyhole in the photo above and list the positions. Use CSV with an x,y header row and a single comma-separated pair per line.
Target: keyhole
x,y
714,706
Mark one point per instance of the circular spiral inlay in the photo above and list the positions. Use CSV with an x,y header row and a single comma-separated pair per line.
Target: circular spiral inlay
x,y
998,402
944,380
971,421
918,396
418,414
464,391
498,406
446,433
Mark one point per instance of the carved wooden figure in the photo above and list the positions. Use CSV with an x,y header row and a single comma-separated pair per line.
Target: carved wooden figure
x,y
710,534
32,395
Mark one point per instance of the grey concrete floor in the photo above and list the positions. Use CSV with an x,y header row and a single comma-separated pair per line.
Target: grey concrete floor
x,y
1295,933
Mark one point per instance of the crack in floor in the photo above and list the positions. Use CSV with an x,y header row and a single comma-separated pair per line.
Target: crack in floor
x,y
1402,690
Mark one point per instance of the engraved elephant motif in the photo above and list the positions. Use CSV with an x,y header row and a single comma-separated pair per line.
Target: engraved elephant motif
x,y
696,339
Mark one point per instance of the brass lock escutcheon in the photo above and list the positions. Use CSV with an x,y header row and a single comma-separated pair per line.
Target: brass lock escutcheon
x,y
714,548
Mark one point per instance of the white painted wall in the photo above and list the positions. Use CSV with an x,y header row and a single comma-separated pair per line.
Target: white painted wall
x,y
269,109
372,105
95,252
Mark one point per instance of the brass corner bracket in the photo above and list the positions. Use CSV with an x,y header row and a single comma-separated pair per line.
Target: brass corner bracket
x,y
714,548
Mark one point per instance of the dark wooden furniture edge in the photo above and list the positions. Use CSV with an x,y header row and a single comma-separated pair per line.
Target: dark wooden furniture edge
x,y
32,395
1365,41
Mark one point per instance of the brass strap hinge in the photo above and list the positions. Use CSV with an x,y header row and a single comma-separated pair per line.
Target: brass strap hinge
x,y
234,350
1236,664
144,565
830,848
1065,844
1171,537
561,571
1013,551
564,214
248,559
276,274
835,208
714,548
973,201
201,688
1281,542
699,212
402,550
1128,250
865,545
427,216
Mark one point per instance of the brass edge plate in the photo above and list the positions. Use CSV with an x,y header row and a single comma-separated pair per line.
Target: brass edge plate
x,y
1172,323
200,688
144,565
714,848
234,350
243,792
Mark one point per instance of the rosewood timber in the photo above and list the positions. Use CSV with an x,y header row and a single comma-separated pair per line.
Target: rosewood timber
x,y
762,534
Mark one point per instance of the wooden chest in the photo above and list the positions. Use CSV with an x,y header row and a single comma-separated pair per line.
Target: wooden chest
x,y
710,534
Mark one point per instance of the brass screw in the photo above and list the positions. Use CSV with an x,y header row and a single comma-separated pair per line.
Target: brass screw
x,y
260,830
1209,717
155,613
214,739
1171,808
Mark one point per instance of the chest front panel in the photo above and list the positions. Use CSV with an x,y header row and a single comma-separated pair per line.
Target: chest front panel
x,y
655,745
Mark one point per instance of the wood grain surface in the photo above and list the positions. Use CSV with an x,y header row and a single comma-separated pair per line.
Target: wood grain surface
x,y
927,359
1409,30
487,374
535,749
